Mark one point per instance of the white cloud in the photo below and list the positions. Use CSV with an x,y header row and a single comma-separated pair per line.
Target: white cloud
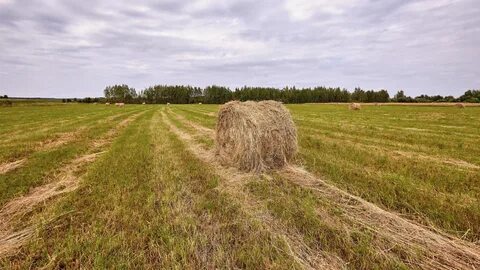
x,y
305,9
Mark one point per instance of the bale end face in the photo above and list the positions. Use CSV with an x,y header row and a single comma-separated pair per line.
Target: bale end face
x,y
354,106
255,136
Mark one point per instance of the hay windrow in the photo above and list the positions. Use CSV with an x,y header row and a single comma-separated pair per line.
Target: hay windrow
x,y
255,136
67,180
233,184
9,166
435,249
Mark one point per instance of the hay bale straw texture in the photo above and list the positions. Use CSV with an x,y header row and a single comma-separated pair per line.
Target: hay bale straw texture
x,y
354,106
460,105
255,136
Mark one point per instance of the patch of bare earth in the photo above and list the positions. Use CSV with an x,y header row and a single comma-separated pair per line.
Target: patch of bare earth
x,y
431,248
12,234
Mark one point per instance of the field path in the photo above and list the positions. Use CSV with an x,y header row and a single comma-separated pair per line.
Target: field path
x,y
437,250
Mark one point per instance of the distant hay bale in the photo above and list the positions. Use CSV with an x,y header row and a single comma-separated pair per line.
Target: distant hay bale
x,y
200,103
119,104
255,136
354,106
143,103
107,103
460,105
168,103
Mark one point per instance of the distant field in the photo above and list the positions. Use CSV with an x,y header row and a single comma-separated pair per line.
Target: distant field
x,y
29,101
97,186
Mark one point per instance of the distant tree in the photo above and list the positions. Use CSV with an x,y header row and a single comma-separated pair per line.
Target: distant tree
x,y
359,95
120,93
470,96
382,96
217,94
401,97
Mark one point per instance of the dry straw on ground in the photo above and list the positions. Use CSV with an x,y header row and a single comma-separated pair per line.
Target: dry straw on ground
x,y
460,105
354,106
255,136
423,247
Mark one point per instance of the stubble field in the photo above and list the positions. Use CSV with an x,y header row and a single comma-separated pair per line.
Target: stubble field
x,y
95,186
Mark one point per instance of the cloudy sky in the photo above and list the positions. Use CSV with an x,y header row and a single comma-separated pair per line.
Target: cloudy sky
x,y
75,48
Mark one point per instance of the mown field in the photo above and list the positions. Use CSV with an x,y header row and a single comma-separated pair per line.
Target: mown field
x,y
95,186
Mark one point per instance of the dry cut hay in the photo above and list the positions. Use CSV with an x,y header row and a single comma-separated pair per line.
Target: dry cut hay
x,y
460,105
354,106
255,136
120,104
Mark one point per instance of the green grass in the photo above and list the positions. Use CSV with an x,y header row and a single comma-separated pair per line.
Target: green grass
x,y
401,157
41,164
148,202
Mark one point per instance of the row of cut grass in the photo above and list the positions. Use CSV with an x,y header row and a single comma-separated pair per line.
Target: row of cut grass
x,y
147,203
41,166
378,154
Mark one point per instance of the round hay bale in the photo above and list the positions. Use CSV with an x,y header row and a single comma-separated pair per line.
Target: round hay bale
x,y
255,136
354,106
460,105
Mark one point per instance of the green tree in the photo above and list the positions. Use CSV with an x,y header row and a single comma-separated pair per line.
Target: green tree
x,y
120,93
217,94
470,96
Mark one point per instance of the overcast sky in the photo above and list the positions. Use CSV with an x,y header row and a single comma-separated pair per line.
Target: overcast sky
x,y
75,48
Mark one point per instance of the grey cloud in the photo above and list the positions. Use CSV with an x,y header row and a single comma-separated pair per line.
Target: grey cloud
x,y
422,46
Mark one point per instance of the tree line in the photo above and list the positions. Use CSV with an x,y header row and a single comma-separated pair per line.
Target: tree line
x,y
181,94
